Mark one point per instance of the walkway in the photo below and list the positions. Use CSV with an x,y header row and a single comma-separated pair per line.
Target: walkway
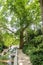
x,y
23,59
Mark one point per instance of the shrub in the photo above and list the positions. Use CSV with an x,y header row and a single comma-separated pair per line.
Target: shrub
x,y
34,47
37,57
36,40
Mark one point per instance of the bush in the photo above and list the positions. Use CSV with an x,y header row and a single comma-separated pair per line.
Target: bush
x,y
3,63
4,57
35,50
37,40
37,57
34,47
1,47
1,42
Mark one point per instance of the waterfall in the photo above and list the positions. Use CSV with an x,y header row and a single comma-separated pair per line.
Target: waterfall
x,y
13,56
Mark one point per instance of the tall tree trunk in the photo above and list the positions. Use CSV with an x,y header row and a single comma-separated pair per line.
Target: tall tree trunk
x,y
21,39
41,4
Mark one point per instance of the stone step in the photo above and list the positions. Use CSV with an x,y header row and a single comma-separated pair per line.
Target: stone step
x,y
23,59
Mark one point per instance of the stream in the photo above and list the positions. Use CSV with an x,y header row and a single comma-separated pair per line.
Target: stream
x,y
10,57
13,56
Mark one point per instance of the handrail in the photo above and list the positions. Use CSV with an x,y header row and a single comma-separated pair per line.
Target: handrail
x,y
5,61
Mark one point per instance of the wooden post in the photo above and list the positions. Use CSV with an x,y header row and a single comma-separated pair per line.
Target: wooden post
x,y
6,61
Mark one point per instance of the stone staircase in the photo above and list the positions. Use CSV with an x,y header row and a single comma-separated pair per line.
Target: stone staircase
x,y
23,59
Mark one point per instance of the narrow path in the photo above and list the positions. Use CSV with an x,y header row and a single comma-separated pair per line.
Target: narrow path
x,y
23,59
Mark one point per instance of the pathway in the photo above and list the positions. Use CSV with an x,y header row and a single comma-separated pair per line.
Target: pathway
x,y
23,59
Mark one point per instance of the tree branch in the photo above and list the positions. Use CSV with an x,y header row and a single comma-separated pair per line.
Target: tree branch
x,y
5,27
25,27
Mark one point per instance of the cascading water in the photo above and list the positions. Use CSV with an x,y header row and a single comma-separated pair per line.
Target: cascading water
x,y
12,56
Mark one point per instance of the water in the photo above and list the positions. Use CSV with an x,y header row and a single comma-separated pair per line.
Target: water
x,y
13,56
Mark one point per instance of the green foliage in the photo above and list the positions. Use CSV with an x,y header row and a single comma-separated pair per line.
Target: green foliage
x,y
19,14
37,57
23,11
37,40
34,47
3,63
5,57
1,42
10,39
36,54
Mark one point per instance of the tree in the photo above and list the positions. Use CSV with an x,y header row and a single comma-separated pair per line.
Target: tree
x,y
22,13
41,4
